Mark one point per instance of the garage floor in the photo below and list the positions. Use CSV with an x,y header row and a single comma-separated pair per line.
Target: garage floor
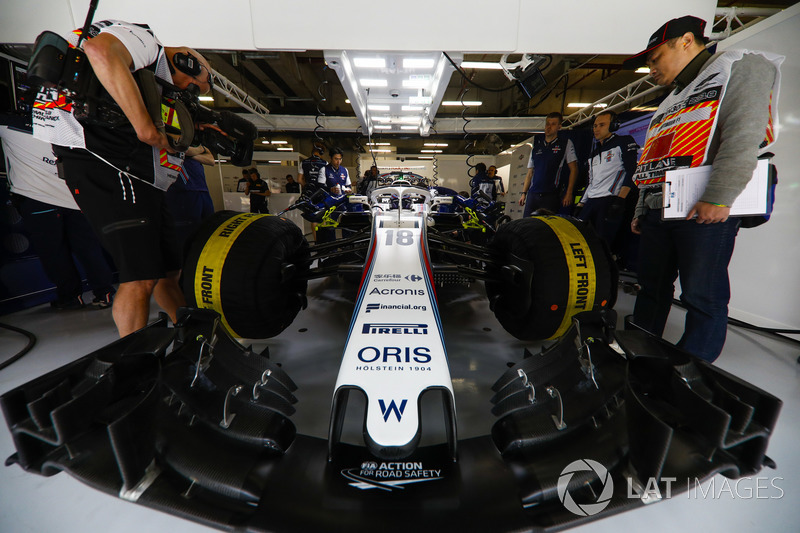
x,y
478,350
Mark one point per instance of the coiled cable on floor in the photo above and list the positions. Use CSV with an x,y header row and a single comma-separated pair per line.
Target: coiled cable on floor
x,y
26,349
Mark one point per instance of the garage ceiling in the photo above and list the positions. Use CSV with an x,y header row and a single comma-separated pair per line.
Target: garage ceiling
x,y
299,90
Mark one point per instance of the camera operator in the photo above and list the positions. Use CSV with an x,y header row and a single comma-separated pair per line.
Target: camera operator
x,y
118,174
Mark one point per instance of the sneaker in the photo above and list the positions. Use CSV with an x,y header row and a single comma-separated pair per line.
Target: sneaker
x,y
68,304
103,302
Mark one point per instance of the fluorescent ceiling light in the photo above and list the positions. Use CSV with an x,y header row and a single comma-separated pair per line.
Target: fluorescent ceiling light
x,y
379,107
582,105
396,119
416,83
411,108
264,142
282,149
436,144
279,162
346,100
431,151
206,98
377,144
643,70
409,127
425,156
369,62
369,82
481,64
466,102
382,127
410,62
280,142
380,150
420,100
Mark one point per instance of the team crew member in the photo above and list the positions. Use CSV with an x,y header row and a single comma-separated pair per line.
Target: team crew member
x,y
291,185
499,187
118,176
258,190
369,182
188,198
611,168
483,182
545,170
719,114
308,173
241,185
334,178
56,227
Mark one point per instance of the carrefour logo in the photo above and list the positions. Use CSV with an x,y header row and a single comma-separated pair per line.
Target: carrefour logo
x,y
387,411
395,329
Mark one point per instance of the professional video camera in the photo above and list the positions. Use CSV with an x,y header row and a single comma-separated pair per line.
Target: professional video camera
x,y
58,67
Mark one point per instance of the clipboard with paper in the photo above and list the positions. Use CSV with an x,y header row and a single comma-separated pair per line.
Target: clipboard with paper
x,y
683,188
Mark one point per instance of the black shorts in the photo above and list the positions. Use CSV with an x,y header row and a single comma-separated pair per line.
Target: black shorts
x,y
129,216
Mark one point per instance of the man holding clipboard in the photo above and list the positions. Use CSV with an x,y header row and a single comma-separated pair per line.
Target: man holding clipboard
x,y
720,114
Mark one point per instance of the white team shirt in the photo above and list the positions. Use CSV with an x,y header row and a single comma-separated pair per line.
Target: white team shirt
x,y
32,169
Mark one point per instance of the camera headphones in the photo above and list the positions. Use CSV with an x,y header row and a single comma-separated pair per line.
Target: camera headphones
x,y
187,63
191,66
614,125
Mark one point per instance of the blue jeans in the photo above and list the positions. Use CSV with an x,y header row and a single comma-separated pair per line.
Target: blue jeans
x,y
700,253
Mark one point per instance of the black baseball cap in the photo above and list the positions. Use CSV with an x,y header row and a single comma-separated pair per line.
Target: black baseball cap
x,y
670,30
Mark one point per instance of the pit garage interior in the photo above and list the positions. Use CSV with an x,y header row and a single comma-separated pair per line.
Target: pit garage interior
x,y
257,47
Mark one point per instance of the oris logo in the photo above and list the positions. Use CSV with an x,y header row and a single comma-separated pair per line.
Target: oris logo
x,y
395,354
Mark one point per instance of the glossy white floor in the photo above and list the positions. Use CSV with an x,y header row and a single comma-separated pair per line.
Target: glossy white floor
x,y
30,503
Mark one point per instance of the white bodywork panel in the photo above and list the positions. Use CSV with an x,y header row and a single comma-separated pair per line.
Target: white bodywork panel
x,y
395,350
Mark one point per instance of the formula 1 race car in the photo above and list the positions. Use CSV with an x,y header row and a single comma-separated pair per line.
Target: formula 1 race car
x,y
187,420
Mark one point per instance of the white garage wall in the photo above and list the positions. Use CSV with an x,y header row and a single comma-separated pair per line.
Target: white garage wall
x,y
765,278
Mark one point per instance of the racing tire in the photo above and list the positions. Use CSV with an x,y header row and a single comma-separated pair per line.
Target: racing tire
x,y
549,269
248,268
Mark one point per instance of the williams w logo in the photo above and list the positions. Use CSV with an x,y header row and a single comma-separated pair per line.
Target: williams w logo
x,y
392,408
